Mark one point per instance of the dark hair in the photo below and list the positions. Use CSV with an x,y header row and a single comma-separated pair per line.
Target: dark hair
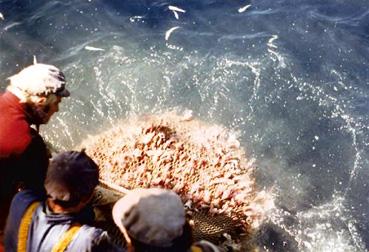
x,y
180,244
71,177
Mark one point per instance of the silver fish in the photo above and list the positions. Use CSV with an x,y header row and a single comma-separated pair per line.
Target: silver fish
x,y
168,32
243,9
91,48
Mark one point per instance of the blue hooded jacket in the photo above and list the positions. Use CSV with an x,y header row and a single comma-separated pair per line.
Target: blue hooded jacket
x,y
47,228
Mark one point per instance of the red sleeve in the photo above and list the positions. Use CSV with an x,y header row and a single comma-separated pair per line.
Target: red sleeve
x,y
15,136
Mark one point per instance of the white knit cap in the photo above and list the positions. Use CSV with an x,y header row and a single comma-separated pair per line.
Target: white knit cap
x,y
152,216
40,79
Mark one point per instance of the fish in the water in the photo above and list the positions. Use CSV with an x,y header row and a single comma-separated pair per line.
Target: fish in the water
x,y
175,10
168,32
243,9
91,48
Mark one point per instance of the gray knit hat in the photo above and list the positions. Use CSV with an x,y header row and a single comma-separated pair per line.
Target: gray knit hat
x,y
152,216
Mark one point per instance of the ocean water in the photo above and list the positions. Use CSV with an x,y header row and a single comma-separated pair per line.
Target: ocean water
x,y
291,77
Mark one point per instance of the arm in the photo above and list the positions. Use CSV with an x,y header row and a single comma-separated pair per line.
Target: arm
x,y
103,243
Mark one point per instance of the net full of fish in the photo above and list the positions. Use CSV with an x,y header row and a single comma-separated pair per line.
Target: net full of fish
x,y
203,163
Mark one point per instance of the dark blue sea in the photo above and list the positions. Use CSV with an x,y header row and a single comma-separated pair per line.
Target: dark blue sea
x,y
290,76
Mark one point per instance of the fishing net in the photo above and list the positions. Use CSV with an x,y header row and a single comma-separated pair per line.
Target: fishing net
x,y
203,163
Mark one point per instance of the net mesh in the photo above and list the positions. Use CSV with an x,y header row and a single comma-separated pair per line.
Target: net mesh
x,y
203,163
205,227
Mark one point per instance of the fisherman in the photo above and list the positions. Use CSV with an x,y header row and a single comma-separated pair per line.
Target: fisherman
x,y
154,220
62,222
32,97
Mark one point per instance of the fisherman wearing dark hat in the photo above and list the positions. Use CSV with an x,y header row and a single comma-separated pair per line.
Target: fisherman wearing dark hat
x,y
63,221
32,97
153,220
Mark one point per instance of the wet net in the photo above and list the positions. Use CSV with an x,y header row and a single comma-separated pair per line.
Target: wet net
x,y
203,163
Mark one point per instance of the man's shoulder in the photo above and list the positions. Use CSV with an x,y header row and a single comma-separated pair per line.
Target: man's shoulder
x,y
15,133
19,205
25,198
98,238
95,234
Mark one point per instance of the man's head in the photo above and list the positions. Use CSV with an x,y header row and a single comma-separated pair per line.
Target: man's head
x,y
40,87
71,179
153,217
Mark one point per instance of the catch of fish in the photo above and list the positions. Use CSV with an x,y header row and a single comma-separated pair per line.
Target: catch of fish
x,y
203,163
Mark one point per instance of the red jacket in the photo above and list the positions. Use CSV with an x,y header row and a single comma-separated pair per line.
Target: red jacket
x,y
23,153
15,131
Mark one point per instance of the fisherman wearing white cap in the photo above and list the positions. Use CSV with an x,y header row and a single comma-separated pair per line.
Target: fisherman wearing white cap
x,y
153,220
31,98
